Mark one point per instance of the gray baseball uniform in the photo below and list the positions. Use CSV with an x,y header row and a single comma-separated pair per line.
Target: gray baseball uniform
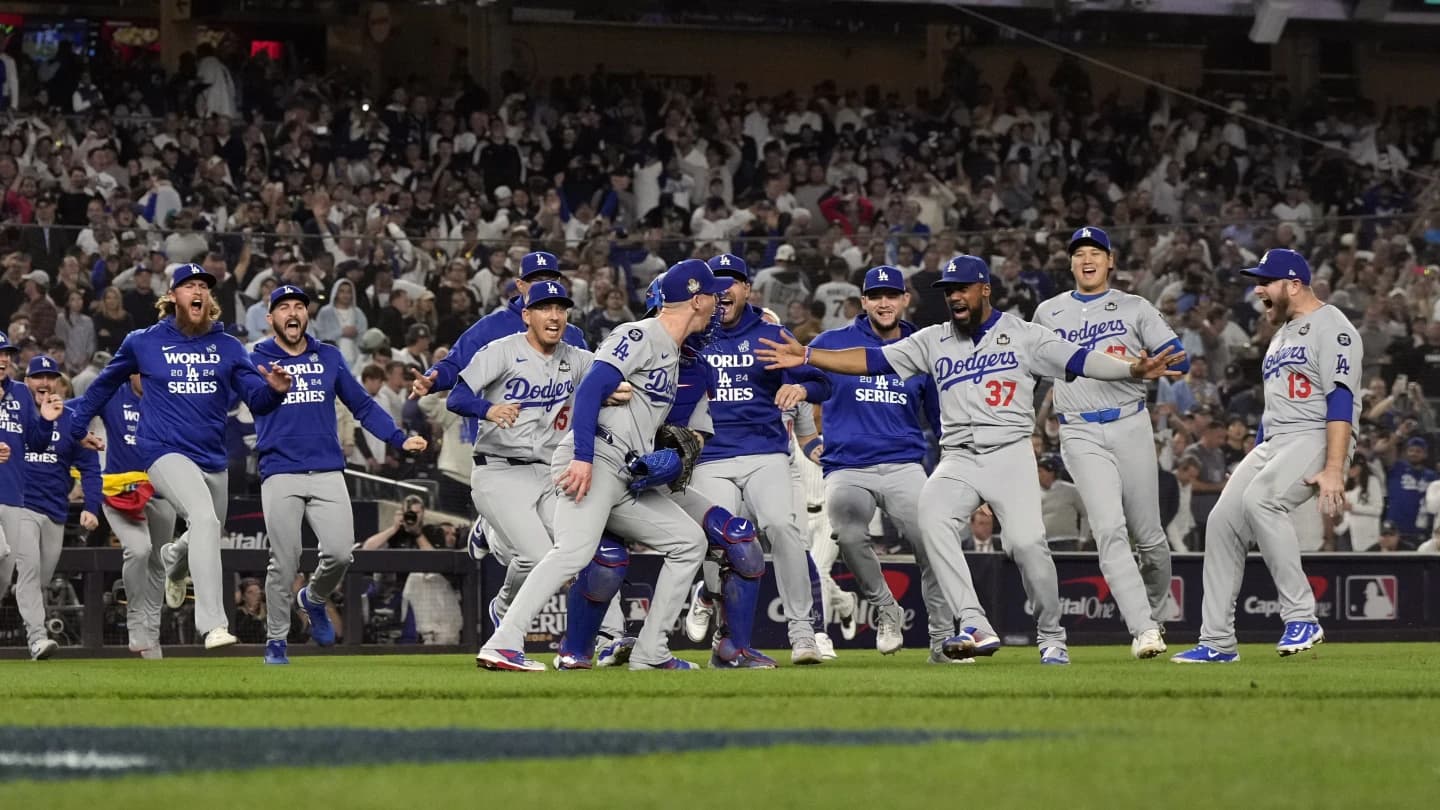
x,y
35,544
1308,359
510,483
1108,446
987,414
142,569
648,358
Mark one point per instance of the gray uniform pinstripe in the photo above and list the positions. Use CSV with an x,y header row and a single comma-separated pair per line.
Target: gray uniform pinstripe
x,y
1116,457
648,358
1308,358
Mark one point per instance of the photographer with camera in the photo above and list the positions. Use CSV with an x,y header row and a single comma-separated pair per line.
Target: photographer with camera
x,y
408,530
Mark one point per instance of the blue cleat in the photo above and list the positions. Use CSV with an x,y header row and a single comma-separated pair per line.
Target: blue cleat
x,y
1054,655
321,630
1299,637
958,648
616,653
986,643
507,661
727,656
275,652
569,661
669,663
1202,654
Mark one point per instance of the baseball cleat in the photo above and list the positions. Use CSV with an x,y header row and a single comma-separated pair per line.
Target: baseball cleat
x,y
805,652
669,663
848,612
321,630
1299,637
507,661
1054,655
565,661
827,647
219,637
41,650
727,656
1148,644
152,653
616,653
697,619
938,656
889,630
1202,654
986,642
174,588
276,652
958,647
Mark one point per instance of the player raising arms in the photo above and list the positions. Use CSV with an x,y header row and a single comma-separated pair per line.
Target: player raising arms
x,y
1106,439
874,453
984,363
1311,373
190,370
591,467
301,467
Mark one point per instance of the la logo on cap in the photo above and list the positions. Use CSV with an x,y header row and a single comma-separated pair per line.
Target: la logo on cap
x,y
724,260
44,362
552,289
882,276
540,260
1084,233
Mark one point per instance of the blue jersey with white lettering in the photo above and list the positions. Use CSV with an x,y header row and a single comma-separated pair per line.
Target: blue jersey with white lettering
x,y
22,429
494,326
747,423
299,436
47,473
188,383
697,381
121,418
874,419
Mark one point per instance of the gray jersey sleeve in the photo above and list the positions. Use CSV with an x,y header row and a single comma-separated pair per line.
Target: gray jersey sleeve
x,y
805,420
700,418
486,366
1154,331
913,355
1048,353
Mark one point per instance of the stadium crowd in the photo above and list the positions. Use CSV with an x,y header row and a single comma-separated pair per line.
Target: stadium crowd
x,y
405,217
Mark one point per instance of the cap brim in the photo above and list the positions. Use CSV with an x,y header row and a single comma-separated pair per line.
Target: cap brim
x,y
1082,242
563,299
719,285
1254,272
290,297
945,282
882,288
731,274
205,277
529,274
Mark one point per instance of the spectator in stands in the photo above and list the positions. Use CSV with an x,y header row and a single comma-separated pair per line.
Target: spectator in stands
x,y
340,321
1407,482
250,611
416,351
983,538
1364,503
38,307
408,530
1205,490
112,320
140,301
1064,511
77,331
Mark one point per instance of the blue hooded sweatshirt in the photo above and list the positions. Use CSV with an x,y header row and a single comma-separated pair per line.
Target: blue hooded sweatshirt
x,y
121,417
22,428
747,423
299,436
874,419
47,473
188,383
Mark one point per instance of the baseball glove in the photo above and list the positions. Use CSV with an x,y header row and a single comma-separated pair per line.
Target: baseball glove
x,y
687,444
672,462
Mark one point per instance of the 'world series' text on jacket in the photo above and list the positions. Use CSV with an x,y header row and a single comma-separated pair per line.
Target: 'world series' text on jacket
x,y
299,436
47,474
22,429
747,423
874,419
188,384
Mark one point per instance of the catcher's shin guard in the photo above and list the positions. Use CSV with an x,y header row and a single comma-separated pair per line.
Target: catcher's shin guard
x,y
590,596
743,568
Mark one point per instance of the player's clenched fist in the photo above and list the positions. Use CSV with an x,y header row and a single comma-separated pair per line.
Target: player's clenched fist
x,y
4,453
415,444
503,415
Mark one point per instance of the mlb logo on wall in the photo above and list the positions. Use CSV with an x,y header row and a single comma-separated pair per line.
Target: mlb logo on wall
x,y
1371,598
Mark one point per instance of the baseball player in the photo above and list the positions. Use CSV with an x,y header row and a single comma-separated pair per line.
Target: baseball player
x,y
1311,372
984,363
874,456
749,456
142,521
24,426
1106,440
302,464
521,386
591,468
191,370
40,530
807,486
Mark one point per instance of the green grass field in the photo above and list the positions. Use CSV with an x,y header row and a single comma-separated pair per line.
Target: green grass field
x,y
1344,726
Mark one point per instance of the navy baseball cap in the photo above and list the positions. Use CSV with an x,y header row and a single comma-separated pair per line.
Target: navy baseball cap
x,y
1089,236
288,291
964,269
884,277
690,278
41,365
538,262
185,272
544,291
5,344
1280,263
728,264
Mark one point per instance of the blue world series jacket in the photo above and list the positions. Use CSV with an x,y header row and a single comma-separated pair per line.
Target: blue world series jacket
x,y
697,381
188,382
121,418
299,436
47,473
22,429
874,419
743,408
492,327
